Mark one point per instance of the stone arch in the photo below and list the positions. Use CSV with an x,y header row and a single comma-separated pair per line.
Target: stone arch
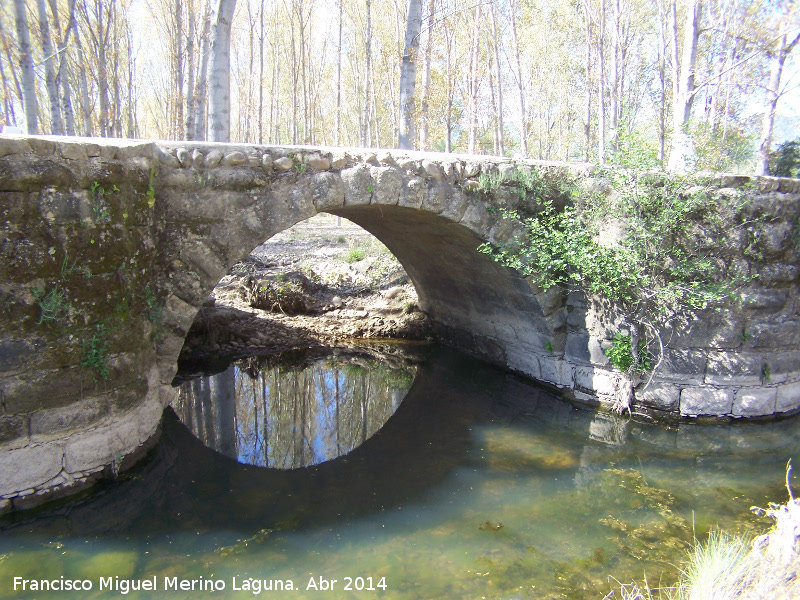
x,y
431,225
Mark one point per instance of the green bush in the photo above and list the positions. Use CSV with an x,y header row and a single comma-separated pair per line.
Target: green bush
x,y
785,161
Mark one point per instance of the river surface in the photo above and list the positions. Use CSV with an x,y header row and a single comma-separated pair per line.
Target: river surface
x,y
438,477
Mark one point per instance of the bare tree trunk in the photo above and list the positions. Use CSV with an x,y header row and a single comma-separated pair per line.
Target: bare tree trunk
x,y
83,87
450,47
785,47
200,120
51,85
26,66
426,79
523,128
587,65
131,103
408,75
473,82
116,119
500,126
178,65
189,126
367,78
17,84
339,77
614,84
63,71
680,156
219,79
601,88
261,74
8,102
662,80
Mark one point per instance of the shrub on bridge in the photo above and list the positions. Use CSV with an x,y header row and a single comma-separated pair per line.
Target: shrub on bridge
x,y
655,244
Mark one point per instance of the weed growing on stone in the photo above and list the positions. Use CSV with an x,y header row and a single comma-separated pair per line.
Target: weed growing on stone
x,y
95,353
150,194
489,183
53,305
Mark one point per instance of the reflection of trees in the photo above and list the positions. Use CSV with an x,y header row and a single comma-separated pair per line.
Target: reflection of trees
x,y
294,418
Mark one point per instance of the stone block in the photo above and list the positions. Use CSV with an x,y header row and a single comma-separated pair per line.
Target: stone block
x,y
773,238
682,365
412,193
358,185
772,336
166,158
184,157
317,161
9,145
339,161
327,191
769,301
477,218
212,159
706,401
706,329
198,160
662,396
387,185
76,415
72,151
88,451
597,381
29,467
124,436
731,368
42,146
13,431
233,159
15,353
788,397
585,349
433,170
556,371
778,273
521,359
435,197
456,207
754,401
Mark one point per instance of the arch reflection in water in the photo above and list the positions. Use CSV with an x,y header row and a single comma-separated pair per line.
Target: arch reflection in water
x,y
272,415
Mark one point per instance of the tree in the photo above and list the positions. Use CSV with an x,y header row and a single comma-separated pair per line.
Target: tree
x,y
785,45
680,156
408,75
219,113
26,66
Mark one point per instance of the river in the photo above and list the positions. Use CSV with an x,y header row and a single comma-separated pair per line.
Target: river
x,y
398,473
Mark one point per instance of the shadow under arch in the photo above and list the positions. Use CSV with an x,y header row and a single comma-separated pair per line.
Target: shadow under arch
x,y
473,302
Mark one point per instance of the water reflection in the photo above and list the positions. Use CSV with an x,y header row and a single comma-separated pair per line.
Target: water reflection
x,y
290,417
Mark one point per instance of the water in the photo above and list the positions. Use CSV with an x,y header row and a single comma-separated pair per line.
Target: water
x,y
480,485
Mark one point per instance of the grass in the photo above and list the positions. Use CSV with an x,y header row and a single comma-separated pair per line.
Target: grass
x,y
355,255
729,567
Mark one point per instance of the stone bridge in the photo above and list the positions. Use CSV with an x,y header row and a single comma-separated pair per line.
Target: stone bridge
x,y
110,247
